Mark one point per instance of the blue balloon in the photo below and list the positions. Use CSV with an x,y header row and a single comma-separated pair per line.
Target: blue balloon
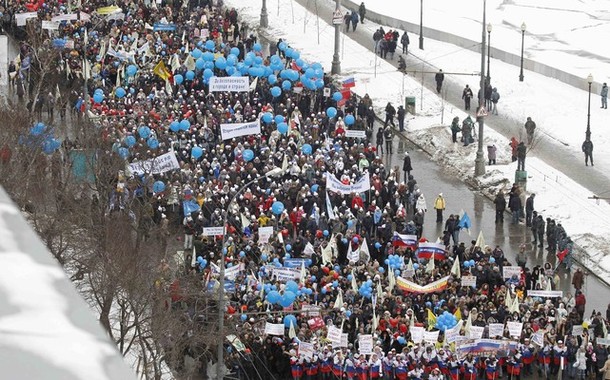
x,y
355,239
196,53
267,117
277,207
325,233
312,278
231,60
196,152
286,85
279,119
242,254
220,63
120,92
282,128
38,129
381,270
292,286
185,124
290,319
273,297
307,149
178,78
158,187
98,97
350,120
337,96
276,91
123,152
288,248
377,245
130,141
235,51
132,70
174,126
315,187
264,257
207,73
190,75
282,46
153,143
210,45
492,260
144,132
310,73
272,79
416,266
199,63
247,155
244,317
257,47
331,112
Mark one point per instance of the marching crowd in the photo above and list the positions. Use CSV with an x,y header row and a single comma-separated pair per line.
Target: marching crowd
x,y
335,242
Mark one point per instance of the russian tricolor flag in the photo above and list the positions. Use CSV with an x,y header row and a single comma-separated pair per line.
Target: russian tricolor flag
x,y
349,82
409,241
431,250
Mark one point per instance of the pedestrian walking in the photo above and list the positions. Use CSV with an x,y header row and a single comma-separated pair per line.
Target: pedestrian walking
x,y
529,209
400,115
379,140
467,125
455,128
388,135
439,206
495,96
530,128
487,95
347,19
377,36
467,95
390,111
587,148
406,165
491,154
521,153
404,41
362,11
604,95
439,78
500,203
355,19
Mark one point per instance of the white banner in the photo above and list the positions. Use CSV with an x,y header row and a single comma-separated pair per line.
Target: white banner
x,y
577,330
496,329
229,131
514,329
453,334
545,293
603,341
509,272
274,329
286,274
469,281
233,272
50,25
311,310
21,18
365,344
231,84
213,231
333,184
476,332
538,338
264,234
161,164
417,334
355,133
334,334
306,349
431,336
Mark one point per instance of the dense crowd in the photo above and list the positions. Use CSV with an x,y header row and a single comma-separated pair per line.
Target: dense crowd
x,y
340,256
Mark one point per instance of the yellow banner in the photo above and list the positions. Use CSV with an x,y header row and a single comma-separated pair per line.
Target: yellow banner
x,y
108,10
411,287
162,71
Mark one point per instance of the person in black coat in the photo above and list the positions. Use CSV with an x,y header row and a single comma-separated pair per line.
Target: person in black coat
x,y
500,203
439,78
390,111
529,209
406,165
400,115
521,153
379,140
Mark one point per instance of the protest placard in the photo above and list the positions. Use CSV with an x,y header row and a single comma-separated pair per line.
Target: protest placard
x,y
355,133
161,164
509,272
431,336
476,332
545,293
514,329
264,233
417,334
496,330
274,329
365,344
306,349
334,334
213,231
229,84
469,281
229,131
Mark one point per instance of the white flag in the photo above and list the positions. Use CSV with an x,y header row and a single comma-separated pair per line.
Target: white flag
x,y
354,283
329,208
291,333
339,300
303,275
365,255
480,240
327,254
455,269
253,84
430,266
245,222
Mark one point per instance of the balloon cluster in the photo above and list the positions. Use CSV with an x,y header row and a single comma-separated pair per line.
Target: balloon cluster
x,y
284,300
366,289
42,137
395,261
469,264
445,321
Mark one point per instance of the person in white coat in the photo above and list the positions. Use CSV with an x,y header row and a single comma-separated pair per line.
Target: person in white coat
x,y
581,363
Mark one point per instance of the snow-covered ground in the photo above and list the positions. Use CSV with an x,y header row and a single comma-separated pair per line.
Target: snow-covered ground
x,y
558,109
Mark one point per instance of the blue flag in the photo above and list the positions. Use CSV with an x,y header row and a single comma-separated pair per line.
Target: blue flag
x,y
465,222
190,207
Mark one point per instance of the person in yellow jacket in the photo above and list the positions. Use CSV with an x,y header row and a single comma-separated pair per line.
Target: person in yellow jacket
x,y
439,206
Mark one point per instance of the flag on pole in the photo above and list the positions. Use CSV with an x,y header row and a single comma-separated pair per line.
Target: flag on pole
x,y
291,333
285,163
365,255
161,71
430,266
354,283
508,301
339,301
327,254
465,222
329,208
349,82
468,324
391,279
458,314
455,269
480,240
515,306
245,222
189,63
253,84
303,275
431,320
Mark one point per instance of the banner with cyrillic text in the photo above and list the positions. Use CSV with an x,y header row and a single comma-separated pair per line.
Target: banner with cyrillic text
x,y
545,293
161,164
274,328
412,287
361,186
229,131
230,84
213,231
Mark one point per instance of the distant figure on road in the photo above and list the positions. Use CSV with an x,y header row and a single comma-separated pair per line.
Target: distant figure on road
x,y
455,128
521,153
467,95
500,202
491,154
388,135
347,19
404,41
439,78
400,115
439,206
604,95
587,148
390,111
379,140
495,96
530,127
402,65
406,165
362,11
355,20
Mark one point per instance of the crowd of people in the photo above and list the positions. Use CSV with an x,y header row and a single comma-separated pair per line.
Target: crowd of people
x,y
332,248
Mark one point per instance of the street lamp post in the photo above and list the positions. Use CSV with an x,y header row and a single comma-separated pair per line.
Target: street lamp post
x,y
264,19
523,27
275,172
479,161
489,27
421,24
336,64
588,132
